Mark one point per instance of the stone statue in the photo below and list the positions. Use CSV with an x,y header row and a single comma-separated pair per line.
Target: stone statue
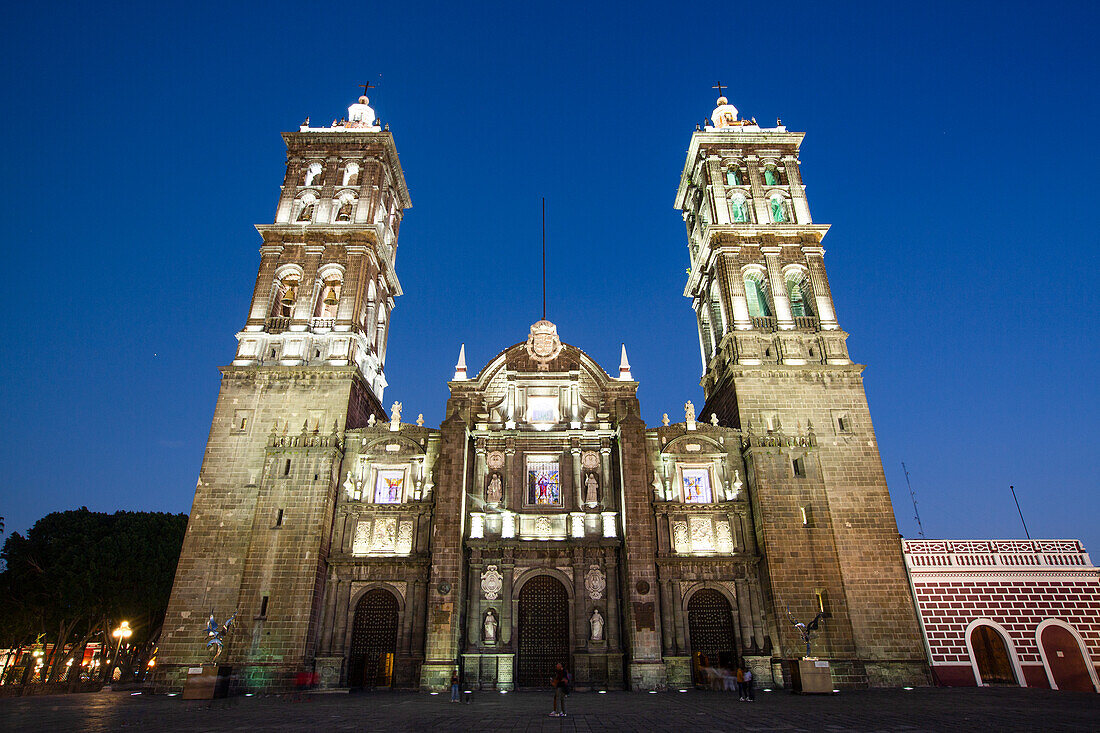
x,y
591,485
806,630
713,419
371,420
689,412
420,420
494,492
215,635
657,486
395,413
664,419
345,211
306,213
595,622
490,626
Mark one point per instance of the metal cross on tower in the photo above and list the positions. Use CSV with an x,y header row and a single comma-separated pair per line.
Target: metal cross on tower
x,y
718,86
365,87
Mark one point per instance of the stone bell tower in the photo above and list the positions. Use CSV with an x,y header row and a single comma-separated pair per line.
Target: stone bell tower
x,y
776,366
309,365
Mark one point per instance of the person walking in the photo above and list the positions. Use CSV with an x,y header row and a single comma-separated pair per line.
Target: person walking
x,y
560,683
454,686
741,683
749,694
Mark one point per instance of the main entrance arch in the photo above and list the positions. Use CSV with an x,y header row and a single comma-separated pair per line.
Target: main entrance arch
x,y
991,656
710,627
543,630
373,640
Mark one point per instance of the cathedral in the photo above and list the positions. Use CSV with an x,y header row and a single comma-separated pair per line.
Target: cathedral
x,y
543,521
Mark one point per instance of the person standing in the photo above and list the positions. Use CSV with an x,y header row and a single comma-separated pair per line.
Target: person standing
x,y
560,683
741,683
749,694
454,686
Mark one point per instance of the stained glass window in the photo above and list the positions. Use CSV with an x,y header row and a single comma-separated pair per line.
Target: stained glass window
x,y
543,482
697,486
388,486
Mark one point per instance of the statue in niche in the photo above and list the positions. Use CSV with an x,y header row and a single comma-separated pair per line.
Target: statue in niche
x,y
494,492
306,214
489,628
591,485
595,623
689,412
344,214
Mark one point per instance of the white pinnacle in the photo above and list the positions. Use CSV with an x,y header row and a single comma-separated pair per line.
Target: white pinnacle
x,y
460,367
624,368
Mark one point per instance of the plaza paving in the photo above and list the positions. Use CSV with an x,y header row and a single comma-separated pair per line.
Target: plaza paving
x,y
1002,709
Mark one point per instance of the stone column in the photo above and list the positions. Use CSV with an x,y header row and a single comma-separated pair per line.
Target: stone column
x,y
420,614
732,286
678,618
798,191
580,601
343,611
667,615
578,479
744,613
265,281
717,189
819,281
509,483
473,612
759,203
506,623
480,471
606,501
778,287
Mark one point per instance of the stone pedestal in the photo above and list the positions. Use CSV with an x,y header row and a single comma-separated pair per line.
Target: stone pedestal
x,y
812,677
329,671
207,682
678,673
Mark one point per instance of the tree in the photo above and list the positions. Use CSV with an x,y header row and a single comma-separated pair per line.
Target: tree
x,y
78,573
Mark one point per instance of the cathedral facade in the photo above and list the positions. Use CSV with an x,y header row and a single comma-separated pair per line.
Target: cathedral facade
x,y
543,521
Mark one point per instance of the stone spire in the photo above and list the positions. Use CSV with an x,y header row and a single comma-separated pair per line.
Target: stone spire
x,y
460,367
624,367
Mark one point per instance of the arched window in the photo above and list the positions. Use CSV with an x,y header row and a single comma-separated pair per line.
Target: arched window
x,y
717,318
313,174
351,173
307,205
328,299
778,209
739,209
771,176
286,295
798,293
344,205
756,295
705,334
733,177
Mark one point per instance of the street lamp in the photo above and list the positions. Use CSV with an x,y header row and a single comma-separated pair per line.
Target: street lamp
x,y
122,632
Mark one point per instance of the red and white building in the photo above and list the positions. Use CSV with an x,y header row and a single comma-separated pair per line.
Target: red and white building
x,y
1024,612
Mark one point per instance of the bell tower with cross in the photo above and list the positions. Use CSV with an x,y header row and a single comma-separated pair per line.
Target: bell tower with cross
x,y
309,365
775,364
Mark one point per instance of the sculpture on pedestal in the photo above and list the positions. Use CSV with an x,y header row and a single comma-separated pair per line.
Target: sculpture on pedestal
x,y
215,634
494,491
591,485
806,630
489,627
595,623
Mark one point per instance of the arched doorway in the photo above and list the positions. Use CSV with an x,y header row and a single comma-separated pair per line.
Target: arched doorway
x,y
543,630
710,626
373,640
1068,669
991,656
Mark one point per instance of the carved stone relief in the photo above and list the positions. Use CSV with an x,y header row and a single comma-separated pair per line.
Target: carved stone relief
x,y
491,582
595,582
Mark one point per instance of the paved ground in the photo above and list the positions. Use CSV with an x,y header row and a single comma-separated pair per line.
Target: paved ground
x,y
1002,709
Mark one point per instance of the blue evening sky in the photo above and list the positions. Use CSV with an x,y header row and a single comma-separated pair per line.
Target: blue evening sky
x,y
951,146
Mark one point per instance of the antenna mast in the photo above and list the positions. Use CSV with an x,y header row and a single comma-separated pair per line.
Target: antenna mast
x,y
913,496
544,258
